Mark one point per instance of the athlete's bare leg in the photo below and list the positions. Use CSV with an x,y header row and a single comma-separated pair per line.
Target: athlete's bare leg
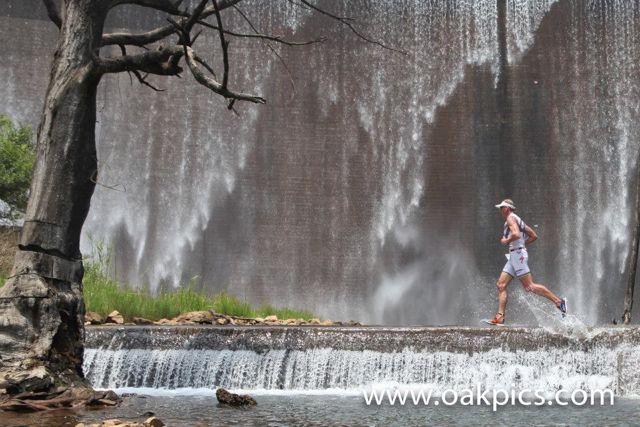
x,y
536,288
503,281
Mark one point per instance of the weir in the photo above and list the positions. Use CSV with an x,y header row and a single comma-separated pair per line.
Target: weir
x,y
317,359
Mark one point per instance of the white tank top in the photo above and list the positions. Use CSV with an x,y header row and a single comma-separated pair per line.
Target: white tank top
x,y
516,244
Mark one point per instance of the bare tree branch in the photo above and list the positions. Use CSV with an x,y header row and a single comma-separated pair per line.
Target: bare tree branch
x,y
205,65
277,39
157,34
168,6
153,62
211,83
194,17
142,79
225,46
324,12
184,28
52,12
348,22
224,4
164,61
214,85
282,61
140,39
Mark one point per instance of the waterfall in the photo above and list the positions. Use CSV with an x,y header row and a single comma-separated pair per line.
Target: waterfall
x,y
603,165
173,361
364,189
348,370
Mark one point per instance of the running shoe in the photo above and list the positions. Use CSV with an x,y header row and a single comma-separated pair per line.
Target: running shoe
x,y
563,307
498,320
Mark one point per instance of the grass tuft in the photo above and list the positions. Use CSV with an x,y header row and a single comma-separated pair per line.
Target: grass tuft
x,y
230,305
102,294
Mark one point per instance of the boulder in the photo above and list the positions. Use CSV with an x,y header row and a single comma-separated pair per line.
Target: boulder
x,y
272,318
314,321
142,321
103,398
233,399
221,321
115,317
203,317
153,422
93,318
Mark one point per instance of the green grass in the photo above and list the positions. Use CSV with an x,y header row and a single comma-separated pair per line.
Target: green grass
x,y
103,295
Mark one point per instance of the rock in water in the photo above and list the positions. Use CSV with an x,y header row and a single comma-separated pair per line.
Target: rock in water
x,y
233,399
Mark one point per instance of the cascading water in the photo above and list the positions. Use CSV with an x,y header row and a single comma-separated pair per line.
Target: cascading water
x,y
365,188
347,370
297,359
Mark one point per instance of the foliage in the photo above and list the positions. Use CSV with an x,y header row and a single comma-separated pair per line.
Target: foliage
x,y
17,154
103,294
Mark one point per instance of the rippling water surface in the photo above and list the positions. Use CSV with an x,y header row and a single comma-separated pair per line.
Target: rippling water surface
x,y
324,410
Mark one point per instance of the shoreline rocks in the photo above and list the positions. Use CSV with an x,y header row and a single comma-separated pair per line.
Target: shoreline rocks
x,y
149,422
115,317
210,317
93,318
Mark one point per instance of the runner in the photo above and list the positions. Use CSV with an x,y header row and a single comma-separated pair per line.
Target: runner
x,y
517,235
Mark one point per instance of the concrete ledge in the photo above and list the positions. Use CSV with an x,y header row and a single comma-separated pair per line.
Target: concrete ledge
x,y
375,338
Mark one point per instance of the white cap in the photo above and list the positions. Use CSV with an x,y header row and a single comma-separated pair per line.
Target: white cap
x,y
506,203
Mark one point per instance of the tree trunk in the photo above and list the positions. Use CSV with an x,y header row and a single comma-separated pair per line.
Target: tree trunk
x,y
41,305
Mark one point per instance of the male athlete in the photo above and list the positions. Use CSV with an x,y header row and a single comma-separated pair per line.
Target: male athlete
x,y
517,234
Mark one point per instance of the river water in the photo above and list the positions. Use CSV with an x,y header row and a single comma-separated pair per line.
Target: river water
x,y
325,410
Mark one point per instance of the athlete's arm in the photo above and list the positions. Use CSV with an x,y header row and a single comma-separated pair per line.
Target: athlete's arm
x,y
532,236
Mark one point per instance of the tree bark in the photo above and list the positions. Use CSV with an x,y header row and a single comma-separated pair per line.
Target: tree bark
x,y
41,305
